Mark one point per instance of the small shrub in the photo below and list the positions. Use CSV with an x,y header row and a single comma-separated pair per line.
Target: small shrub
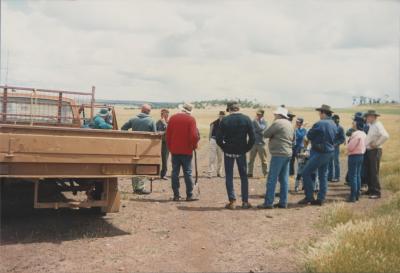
x,y
339,213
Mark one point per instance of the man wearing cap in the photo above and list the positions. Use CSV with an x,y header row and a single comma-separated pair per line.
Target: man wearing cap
x,y
182,138
215,150
280,135
334,164
141,123
236,138
298,143
322,136
161,125
376,137
100,120
259,125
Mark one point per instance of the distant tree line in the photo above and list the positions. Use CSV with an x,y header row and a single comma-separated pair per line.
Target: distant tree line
x,y
363,100
222,102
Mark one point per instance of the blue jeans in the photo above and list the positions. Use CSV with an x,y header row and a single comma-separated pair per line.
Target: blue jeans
x,y
355,163
334,165
317,162
278,170
242,167
184,161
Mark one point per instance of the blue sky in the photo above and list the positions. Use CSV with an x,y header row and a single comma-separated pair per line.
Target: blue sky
x,y
299,53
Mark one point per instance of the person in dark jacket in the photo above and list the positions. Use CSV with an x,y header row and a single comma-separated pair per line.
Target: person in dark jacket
x,y
334,165
215,156
322,136
161,125
236,138
141,123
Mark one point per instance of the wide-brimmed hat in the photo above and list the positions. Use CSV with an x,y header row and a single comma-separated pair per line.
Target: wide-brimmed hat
x,y
186,107
103,112
282,112
371,113
260,112
325,108
291,114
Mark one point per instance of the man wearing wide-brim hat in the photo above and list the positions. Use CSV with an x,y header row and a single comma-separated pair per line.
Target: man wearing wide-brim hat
x,y
322,136
376,137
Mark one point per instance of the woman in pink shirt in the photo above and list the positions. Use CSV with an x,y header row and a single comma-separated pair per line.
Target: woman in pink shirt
x,y
356,148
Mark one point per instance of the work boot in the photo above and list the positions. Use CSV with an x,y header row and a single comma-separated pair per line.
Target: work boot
x,y
305,201
280,206
176,198
374,196
246,205
141,192
231,205
317,202
191,199
265,206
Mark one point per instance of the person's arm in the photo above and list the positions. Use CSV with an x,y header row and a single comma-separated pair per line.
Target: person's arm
x,y
154,126
340,138
270,131
257,127
102,124
194,133
383,135
127,125
313,132
220,135
251,136
353,143
211,129
168,133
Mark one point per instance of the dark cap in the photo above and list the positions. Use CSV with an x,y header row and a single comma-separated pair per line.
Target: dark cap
x,y
221,113
300,120
335,117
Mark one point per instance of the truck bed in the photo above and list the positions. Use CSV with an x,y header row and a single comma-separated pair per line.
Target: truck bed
x,y
52,152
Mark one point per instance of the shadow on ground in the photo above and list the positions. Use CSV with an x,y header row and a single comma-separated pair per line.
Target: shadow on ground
x,y
54,227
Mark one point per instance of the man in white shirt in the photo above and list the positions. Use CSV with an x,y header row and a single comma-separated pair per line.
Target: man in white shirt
x,y
376,137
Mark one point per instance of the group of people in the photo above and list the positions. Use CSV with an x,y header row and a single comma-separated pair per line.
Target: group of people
x,y
233,135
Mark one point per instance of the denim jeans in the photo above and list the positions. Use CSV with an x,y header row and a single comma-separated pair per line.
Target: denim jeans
x,y
279,170
334,165
317,162
184,161
242,167
164,159
355,163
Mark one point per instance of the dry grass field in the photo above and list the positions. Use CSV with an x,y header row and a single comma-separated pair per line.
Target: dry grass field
x,y
151,233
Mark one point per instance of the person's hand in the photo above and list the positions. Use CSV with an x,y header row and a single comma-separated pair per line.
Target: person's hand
x,y
373,146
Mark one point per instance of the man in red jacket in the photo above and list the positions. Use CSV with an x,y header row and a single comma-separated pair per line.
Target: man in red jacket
x,y
182,138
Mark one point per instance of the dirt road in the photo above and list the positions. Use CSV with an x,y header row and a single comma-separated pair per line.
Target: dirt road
x,y
152,233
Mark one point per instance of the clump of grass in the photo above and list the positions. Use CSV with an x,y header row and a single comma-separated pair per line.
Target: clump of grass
x,y
390,207
336,214
391,182
362,246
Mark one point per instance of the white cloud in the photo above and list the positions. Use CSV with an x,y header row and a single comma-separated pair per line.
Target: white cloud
x,y
183,50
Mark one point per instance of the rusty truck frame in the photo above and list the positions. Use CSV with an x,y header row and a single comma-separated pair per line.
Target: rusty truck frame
x,y
45,140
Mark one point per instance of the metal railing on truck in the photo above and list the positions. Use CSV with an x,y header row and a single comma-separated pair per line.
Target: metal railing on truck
x,y
23,105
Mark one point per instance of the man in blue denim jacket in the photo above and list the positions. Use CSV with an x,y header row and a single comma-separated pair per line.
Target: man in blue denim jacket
x,y
322,136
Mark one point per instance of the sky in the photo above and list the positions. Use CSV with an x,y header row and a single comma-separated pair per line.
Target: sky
x,y
298,53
